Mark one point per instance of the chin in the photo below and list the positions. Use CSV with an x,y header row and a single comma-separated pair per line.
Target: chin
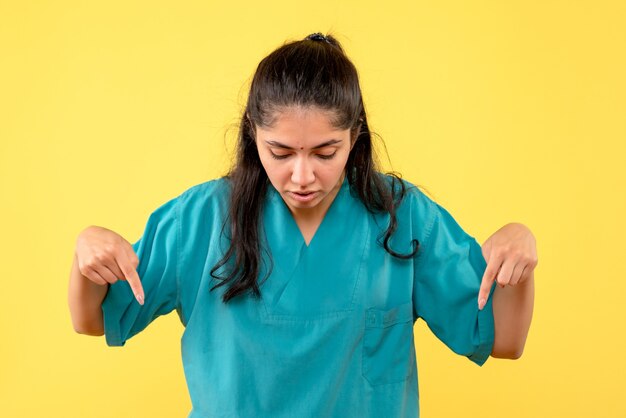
x,y
300,204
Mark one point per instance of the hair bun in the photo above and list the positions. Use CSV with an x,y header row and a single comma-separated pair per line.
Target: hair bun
x,y
318,36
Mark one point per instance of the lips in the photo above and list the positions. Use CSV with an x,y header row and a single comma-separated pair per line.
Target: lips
x,y
303,196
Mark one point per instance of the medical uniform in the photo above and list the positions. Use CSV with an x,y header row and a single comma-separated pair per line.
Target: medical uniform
x,y
332,334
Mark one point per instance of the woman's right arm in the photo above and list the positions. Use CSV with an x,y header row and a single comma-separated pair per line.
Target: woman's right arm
x,y
101,258
85,301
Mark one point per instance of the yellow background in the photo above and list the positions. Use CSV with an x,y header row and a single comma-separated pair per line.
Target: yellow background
x,y
505,111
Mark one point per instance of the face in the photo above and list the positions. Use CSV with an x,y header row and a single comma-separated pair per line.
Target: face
x,y
304,158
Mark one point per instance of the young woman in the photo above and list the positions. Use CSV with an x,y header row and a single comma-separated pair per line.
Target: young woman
x,y
299,275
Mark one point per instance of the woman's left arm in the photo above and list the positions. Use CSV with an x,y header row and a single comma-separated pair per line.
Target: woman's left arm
x,y
511,255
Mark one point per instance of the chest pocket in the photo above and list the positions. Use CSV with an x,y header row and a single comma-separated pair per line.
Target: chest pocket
x,y
388,354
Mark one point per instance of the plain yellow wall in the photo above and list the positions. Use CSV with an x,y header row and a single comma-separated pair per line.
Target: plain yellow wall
x,y
505,111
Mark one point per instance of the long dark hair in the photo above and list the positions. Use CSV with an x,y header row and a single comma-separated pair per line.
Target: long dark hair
x,y
311,72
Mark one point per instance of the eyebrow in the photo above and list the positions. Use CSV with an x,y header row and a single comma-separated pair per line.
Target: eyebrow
x,y
322,145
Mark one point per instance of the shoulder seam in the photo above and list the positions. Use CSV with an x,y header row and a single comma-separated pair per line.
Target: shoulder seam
x,y
178,251
421,259
429,228
209,183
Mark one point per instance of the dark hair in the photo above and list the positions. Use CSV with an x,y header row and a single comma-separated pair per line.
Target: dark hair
x,y
311,72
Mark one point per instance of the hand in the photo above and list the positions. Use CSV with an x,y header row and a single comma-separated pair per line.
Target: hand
x,y
104,257
511,255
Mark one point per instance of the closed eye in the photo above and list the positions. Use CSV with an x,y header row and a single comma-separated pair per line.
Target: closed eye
x,y
279,157
327,156
322,156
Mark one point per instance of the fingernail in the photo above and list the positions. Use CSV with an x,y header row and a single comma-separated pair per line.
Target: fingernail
x,y
481,303
139,299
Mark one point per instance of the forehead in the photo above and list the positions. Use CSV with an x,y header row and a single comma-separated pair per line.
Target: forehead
x,y
294,117
299,127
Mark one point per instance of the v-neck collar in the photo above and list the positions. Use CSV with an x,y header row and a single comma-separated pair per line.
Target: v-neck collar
x,y
292,226
303,278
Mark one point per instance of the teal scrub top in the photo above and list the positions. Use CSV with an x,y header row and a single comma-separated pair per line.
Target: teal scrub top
x,y
332,334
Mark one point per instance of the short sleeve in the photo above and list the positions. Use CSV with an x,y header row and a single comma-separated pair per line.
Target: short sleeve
x,y
157,250
448,274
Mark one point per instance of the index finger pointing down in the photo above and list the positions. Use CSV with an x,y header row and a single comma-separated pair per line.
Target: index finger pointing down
x,y
134,281
485,285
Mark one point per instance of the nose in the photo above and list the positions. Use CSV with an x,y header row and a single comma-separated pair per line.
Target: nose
x,y
303,173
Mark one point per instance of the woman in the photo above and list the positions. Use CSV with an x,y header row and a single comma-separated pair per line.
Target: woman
x,y
300,274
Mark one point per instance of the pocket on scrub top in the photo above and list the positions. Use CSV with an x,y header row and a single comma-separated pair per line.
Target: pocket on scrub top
x,y
388,352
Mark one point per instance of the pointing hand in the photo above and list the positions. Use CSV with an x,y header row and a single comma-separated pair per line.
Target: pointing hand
x,y
105,257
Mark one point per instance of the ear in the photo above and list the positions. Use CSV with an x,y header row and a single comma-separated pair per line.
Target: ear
x,y
358,131
356,138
